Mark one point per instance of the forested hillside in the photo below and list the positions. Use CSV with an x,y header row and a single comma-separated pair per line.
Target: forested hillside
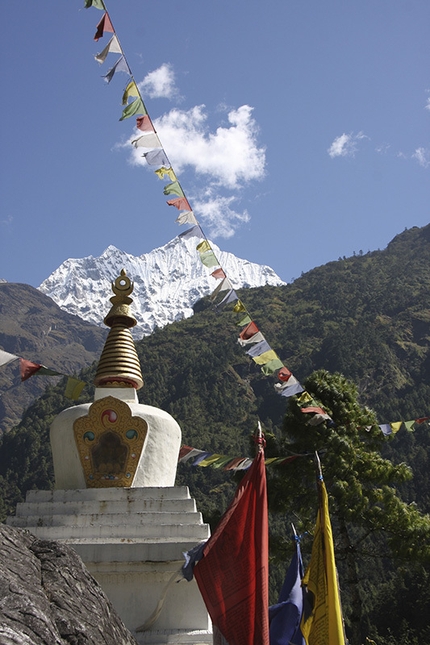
x,y
367,317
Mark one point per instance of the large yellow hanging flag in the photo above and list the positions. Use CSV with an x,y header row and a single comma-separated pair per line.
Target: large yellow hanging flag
x,y
324,624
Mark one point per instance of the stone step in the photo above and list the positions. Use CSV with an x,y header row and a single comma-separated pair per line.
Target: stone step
x,y
106,519
109,494
196,532
92,507
108,551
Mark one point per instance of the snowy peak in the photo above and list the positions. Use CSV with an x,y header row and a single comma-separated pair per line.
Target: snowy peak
x,y
168,281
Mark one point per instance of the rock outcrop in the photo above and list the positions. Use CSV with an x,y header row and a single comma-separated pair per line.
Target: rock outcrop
x,y
47,596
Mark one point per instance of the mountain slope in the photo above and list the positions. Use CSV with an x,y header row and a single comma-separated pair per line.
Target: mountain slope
x,y
32,326
168,282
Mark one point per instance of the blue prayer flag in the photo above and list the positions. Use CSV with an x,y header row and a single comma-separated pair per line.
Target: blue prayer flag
x,y
285,616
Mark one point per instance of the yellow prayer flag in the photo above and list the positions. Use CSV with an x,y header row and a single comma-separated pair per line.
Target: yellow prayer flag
x,y
305,397
395,427
203,246
209,460
130,90
266,357
324,625
161,172
239,306
74,388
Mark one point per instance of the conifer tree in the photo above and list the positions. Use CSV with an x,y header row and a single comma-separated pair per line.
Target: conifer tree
x,y
369,518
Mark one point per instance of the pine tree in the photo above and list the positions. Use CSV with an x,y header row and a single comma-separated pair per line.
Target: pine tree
x,y
369,518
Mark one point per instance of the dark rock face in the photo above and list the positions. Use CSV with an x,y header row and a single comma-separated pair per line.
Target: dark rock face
x,y
47,596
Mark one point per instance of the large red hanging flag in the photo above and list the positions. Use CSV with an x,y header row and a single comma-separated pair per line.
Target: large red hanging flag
x,y
233,573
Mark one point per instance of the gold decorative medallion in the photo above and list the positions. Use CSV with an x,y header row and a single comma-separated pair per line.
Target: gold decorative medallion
x,y
110,441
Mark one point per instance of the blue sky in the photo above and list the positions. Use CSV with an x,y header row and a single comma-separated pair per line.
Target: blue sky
x,y
298,130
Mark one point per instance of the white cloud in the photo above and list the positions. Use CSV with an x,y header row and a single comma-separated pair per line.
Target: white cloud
x,y
215,211
345,145
422,156
427,107
160,83
229,156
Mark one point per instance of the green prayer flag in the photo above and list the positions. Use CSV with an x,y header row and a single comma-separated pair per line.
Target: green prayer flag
x,y
244,321
409,425
174,189
209,259
136,107
97,4
45,371
272,366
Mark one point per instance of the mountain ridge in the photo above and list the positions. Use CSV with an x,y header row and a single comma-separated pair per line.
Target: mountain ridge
x,y
168,281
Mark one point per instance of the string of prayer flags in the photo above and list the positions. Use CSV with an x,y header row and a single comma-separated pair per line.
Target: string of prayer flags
x,y
204,458
104,25
28,369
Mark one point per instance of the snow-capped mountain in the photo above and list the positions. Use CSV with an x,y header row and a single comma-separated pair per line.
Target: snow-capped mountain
x,y
167,282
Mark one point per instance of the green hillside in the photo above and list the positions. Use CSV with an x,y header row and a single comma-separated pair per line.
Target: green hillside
x,y
367,317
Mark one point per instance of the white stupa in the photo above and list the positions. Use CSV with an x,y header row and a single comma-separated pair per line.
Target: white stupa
x,y
115,500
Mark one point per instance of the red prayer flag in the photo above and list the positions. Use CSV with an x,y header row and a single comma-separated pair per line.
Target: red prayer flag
x,y
422,419
144,123
27,368
284,374
315,409
218,274
181,203
104,25
233,574
249,331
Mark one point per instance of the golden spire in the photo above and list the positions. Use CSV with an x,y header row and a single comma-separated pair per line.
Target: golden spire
x,y
119,365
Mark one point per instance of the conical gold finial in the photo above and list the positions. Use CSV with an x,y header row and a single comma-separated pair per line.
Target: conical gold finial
x,y
119,365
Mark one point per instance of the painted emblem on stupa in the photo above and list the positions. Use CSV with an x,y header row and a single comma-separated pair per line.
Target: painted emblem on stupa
x,y
109,441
